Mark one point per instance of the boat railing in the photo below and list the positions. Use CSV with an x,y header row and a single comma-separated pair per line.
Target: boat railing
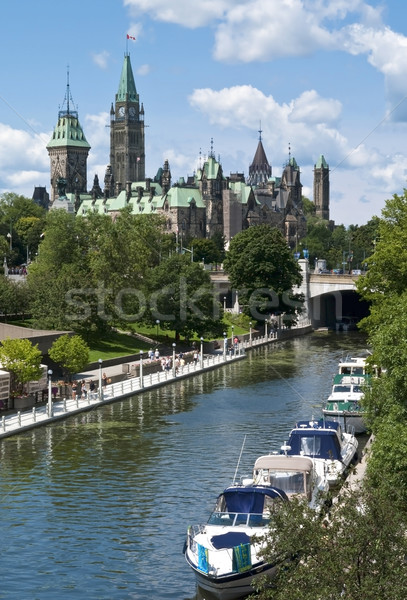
x,y
230,519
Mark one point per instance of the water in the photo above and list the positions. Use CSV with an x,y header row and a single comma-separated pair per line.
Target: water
x,y
96,507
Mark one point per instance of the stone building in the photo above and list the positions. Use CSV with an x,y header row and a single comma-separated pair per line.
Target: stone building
x,y
202,205
68,151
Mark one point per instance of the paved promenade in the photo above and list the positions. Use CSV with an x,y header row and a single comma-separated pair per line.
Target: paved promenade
x,y
54,410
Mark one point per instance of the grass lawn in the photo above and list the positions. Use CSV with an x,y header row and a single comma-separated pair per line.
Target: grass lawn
x,y
115,344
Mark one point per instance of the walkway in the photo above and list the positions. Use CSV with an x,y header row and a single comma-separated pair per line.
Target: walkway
x,y
20,421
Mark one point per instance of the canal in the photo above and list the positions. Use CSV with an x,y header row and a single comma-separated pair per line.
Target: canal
x,y
96,507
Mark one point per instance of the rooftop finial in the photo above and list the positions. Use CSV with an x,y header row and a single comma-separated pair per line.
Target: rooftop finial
x,y
289,151
211,154
68,98
260,132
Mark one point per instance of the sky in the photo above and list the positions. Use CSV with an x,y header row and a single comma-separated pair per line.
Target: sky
x,y
314,76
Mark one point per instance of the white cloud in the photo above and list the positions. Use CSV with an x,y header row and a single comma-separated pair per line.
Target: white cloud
x,y
182,12
143,70
101,59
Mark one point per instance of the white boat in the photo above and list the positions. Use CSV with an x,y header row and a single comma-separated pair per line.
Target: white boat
x,y
332,449
344,404
223,553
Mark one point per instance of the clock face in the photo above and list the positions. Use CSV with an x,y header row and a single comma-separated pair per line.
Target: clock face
x,y
121,111
132,111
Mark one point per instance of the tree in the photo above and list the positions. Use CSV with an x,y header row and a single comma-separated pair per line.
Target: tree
x,y
261,267
358,553
206,250
23,359
182,297
71,352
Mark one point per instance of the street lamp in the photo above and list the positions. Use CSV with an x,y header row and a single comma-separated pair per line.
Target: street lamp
x,y
250,334
224,303
10,239
232,339
173,358
265,328
141,370
158,325
49,393
201,352
100,379
224,345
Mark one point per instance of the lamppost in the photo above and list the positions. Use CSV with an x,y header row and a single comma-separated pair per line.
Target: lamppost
x,y
100,379
265,328
141,370
201,352
224,345
10,239
250,334
173,358
49,393
224,303
158,326
203,262
232,339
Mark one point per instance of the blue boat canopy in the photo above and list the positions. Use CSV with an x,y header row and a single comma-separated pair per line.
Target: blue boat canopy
x,y
320,439
250,499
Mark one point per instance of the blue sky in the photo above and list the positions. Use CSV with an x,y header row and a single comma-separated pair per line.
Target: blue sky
x,y
321,76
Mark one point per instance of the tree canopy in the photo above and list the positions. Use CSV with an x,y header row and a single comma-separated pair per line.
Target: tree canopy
x,y
262,268
22,359
71,352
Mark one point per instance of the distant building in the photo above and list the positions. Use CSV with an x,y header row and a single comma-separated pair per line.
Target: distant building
x,y
41,197
202,205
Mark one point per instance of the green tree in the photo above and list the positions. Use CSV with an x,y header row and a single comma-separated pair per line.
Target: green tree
x,y
22,359
71,353
261,267
356,554
206,250
182,297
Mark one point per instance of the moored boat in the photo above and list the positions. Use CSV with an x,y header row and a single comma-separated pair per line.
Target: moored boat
x,y
332,449
344,404
223,553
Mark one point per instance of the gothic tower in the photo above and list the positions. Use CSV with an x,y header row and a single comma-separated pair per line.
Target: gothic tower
x,y
321,188
127,152
68,152
259,170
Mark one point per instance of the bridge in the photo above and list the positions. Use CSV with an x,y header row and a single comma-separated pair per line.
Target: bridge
x,y
328,296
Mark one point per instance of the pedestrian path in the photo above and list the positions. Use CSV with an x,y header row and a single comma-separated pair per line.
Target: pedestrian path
x,y
54,410
61,409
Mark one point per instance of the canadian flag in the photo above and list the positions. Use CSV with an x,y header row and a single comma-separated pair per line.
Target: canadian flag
x,y
130,37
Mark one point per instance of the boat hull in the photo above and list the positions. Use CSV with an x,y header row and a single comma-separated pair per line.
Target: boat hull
x,y
233,586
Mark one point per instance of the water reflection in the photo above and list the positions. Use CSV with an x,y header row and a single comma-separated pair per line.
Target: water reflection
x,y
102,501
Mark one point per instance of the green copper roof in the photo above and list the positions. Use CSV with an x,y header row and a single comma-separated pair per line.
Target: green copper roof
x,y
127,88
68,132
321,162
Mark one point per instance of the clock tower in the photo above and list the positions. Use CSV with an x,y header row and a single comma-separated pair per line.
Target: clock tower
x,y
127,152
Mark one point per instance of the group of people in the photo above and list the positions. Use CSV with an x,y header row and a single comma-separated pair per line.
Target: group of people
x,y
81,390
166,363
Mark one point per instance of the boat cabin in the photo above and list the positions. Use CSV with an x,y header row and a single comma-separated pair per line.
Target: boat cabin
x,y
245,505
317,439
291,474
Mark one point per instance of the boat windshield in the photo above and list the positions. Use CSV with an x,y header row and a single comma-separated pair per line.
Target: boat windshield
x,y
227,519
290,482
341,388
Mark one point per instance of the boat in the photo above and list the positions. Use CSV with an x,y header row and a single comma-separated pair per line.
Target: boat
x,y
347,324
353,365
225,552
332,449
344,404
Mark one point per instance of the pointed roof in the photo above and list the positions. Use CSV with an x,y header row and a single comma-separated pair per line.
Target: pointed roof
x,y
127,88
321,163
260,158
68,132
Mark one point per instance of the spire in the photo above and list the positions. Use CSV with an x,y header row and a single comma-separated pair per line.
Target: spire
x,y
127,88
63,112
259,170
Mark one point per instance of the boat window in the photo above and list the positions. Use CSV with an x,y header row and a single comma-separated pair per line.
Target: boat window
x,y
357,389
341,388
289,482
345,370
311,445
357,371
